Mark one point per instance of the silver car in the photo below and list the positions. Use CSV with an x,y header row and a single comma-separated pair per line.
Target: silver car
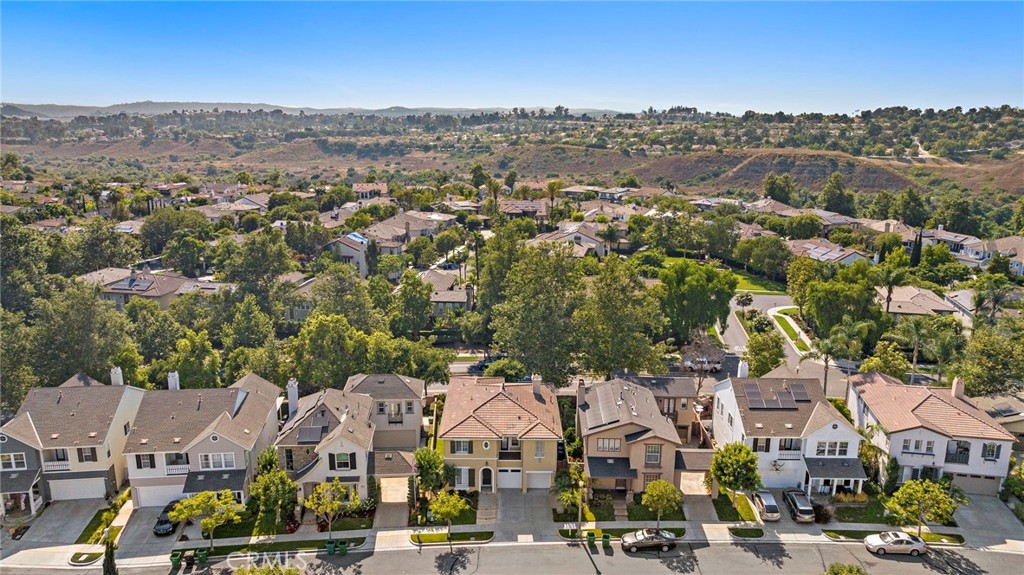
x,y
895,542
766,506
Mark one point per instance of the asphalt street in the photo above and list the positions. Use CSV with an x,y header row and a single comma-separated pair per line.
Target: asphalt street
x,y
569,559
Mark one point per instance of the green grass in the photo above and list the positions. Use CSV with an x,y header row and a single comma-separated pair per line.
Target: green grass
x,y
85,558
859,535
93,530
468,357
871,512
640,513
114,532
790,311
747,533
280,546
750,282
421,538
467,517
352,523
726,512
616,532
791,333
713,333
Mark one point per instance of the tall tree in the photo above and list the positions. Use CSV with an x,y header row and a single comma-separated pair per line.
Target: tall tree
x,y
250,327
257,264
325,351
186,253
695,297
327,502
535,322
553,188
916,333
800,272
909,208
195,360
215,508
23,265
764,352
160,226
845,341
779,188
447,506
835,197
991,293
109,565
990,363
889,277
341,291
412,307
273,489
888,359
154,330
618,322
734,466
661,497
98,246
766,255
920,501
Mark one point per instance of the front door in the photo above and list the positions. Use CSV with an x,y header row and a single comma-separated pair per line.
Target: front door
x,y
486,478
620,484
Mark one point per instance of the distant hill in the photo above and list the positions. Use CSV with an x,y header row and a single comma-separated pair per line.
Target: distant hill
x,y
12,111
152,108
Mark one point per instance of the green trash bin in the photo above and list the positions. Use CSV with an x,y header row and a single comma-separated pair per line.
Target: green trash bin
x,y
330,547
606,541
590,538
176,559
343,547
203,553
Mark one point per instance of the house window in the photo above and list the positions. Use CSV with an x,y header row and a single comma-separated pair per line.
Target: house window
x,y
538,450
762,445
832,448
409,408
929,447
650,478
906,445
462,477
145,461
668,405
289,460
917,445
652,455
604,444
460,447
341,461
844,447
682,404
990,451
381,408
60,454
127,427
789,444
12,461
730,420
820,449
217,461
86,454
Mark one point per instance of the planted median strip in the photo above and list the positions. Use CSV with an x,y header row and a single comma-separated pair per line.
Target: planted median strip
x,y
791,333
859,535
85,558
469,536
283,546
616,532
747,532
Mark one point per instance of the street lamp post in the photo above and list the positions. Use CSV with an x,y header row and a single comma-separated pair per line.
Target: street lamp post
x,y
579,517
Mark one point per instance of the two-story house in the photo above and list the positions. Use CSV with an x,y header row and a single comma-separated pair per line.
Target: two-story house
x,y
351,249
932,431
799,438
328,435
185,441
500,435
397,407
627,441
675,396
66,442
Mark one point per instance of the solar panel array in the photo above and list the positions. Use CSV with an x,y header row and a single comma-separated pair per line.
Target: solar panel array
x,y
754,398
1003,410
799,392
761,399
310,434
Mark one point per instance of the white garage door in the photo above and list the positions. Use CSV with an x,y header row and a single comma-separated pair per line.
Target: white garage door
x,y
91,488
538,479
510,479
977,484
157,495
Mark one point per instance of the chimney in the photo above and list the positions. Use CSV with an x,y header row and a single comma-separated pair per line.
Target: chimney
x,y
116,376
172,380
293,396
743,370
888,227
536,380
958,388
579,393
133,275
408,232
470,296
941,227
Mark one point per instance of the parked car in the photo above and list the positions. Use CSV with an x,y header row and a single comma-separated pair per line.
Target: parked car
x,y
448,266
895,542
800,507
164,525
703,364
766,506
648,539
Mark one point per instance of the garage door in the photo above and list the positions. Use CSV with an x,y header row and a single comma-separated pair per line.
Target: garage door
x,y
510,479
977,484
92,488
156,495
538,479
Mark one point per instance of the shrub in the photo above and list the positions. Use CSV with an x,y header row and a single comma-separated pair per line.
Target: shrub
x,y
871,488
1018,510
851,497
761,324
845,569
822,513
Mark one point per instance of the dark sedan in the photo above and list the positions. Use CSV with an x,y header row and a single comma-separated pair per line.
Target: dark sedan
x,y
164,525
648,539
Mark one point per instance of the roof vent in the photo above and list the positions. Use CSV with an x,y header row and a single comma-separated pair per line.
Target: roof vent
x,y
92,434
143,441
789,426
350,430
54,435
759,425
388,456
246,431
200,477
226,476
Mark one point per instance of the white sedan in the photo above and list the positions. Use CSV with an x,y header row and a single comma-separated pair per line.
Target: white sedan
x,y
895,542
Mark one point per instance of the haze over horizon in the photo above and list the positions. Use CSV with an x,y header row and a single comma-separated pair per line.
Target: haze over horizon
x,y
729,57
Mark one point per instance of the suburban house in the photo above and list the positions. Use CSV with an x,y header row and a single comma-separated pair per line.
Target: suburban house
x,y
579,192
301,300
534,209
367,190
612,212
397,407
676,397
214,212
799,438
351,249
627,441
500,435
402,228
185,441
455,299
954,241
963,301
328,435
932,431
1007,409
334,218
822,250
66,442
613,194
120,285
1011,247
581,237
912,300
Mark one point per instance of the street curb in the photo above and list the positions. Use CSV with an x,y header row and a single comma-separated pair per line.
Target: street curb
x,y
861,542
447,543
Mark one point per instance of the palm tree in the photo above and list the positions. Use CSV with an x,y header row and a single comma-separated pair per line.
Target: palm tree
x,y
890,277
917,333
871,456
946,348
553,187
845,341
991,293
494,188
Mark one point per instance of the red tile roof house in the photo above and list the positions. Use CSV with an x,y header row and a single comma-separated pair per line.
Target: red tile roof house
x,y
367,190
932,431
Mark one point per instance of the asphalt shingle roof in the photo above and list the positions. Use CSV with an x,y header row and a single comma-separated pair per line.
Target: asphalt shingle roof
x,y
214,480
835,468
19,481
345,414
610,467
609,404
385,386
803,417
391,463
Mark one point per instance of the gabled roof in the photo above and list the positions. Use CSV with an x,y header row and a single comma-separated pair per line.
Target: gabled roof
x,y
776,407
386,386
78,413
105,276
1003,407
172,420
900,407
661,385
617,402
478,408
912,300
328,415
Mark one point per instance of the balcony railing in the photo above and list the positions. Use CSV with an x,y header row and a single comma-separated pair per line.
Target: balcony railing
x,y
56,466
510,455
962,458
396,419
177,469
790,455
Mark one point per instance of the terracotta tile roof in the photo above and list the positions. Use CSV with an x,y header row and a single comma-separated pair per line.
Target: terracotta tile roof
x,y
899,407
482,408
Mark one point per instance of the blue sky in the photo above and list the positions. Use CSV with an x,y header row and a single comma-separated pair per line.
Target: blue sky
x,y
828,57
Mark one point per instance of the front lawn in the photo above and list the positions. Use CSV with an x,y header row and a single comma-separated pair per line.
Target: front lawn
x,y
747,533
860,534
871,512
421,538
352,523
95,525
85,558
637,512
791,333
262,524
726,511
752,283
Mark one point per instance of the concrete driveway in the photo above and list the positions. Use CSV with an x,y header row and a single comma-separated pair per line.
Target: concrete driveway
x,y
988,523
523,516
59,524
393,510
137,538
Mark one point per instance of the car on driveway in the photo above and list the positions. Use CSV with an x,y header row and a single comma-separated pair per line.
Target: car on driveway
x,y
648,539
766,506
895,542
800,507
164,525
703,364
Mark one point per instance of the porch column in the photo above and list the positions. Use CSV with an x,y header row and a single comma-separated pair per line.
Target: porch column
x,y
31,502
834,481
